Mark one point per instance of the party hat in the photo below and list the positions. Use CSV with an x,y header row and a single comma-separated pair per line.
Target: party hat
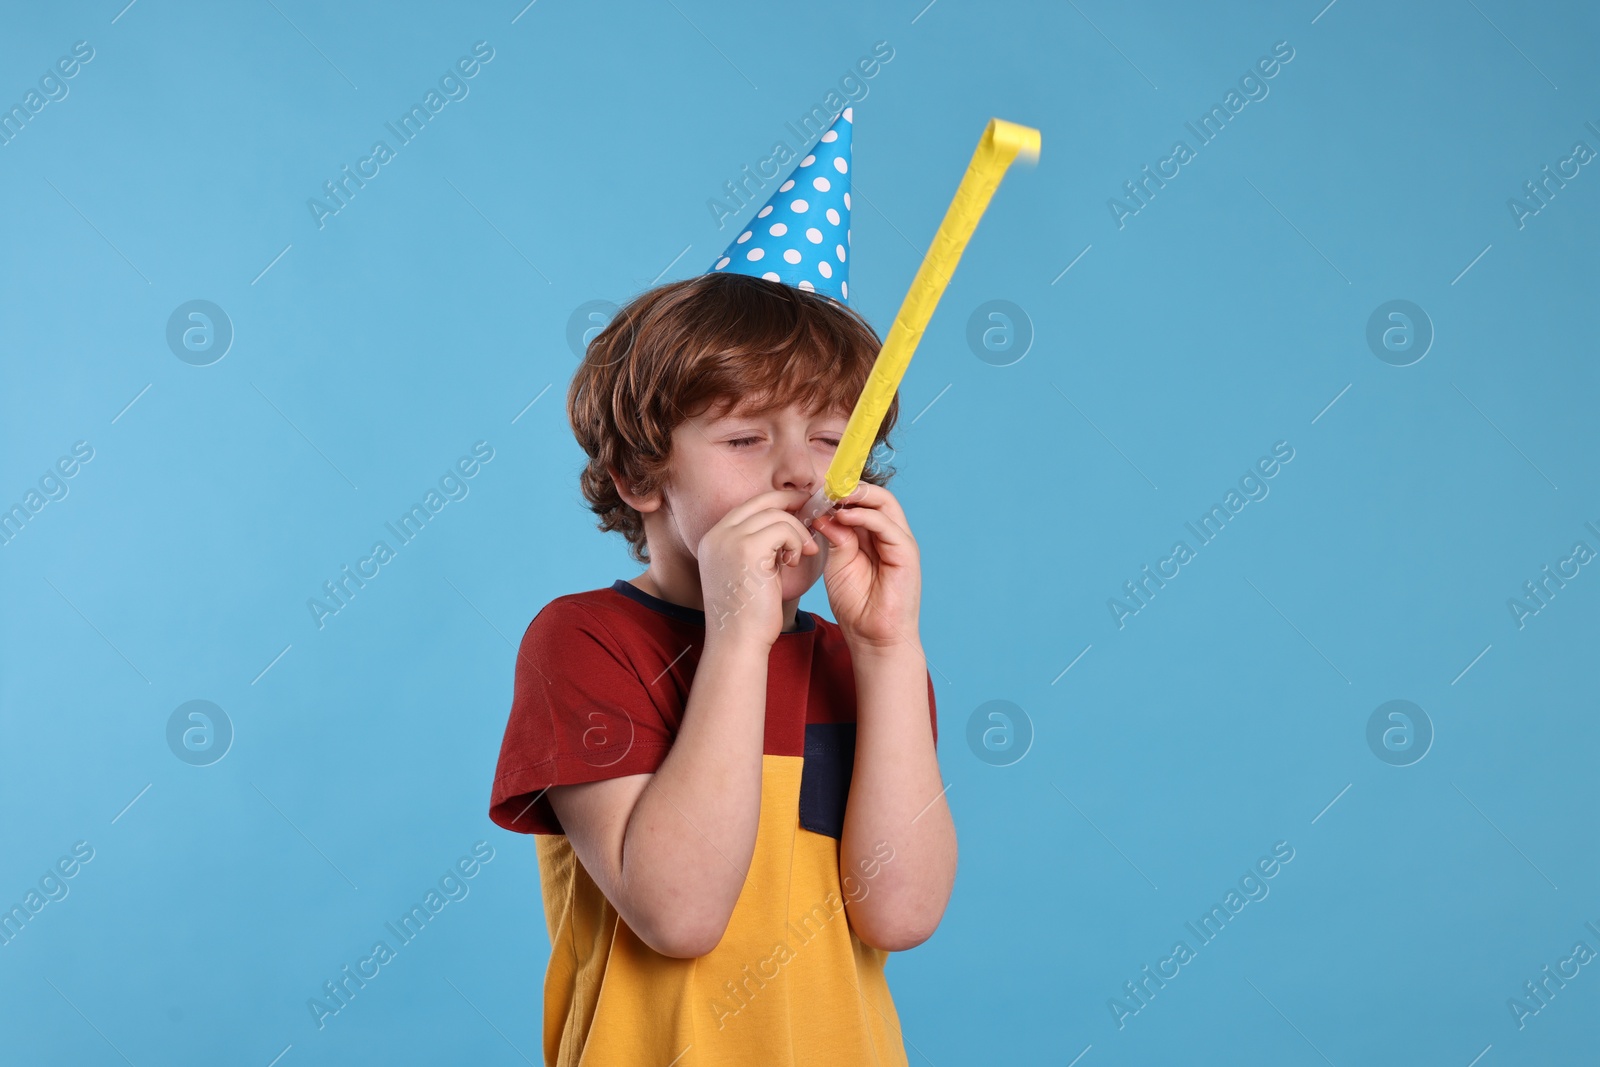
x,y
802,236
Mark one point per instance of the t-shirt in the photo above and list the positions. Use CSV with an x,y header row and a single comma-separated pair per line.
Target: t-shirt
x,y
602,678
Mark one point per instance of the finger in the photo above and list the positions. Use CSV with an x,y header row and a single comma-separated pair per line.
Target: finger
x,y
759,520
887,539
783,541
879,522
836,533
814,539
869,495
775,499
846,541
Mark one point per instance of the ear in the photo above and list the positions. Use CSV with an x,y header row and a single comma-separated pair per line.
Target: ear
x,y
640,503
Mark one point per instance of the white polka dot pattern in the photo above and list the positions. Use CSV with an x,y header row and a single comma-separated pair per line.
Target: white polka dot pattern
x,y
807,249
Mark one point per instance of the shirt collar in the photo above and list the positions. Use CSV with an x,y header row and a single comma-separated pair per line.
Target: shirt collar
x,y
805,621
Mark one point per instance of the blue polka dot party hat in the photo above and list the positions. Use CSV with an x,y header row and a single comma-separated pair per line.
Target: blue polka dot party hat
x,y
802,236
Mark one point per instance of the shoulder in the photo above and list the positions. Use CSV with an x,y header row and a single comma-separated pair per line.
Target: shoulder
x,y
588,602
603,617
591,608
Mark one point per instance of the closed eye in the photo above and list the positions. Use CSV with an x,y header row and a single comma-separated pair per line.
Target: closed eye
x,y
743,442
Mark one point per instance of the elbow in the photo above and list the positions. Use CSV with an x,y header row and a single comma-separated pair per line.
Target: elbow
x,y
681,922
893,937
682,939
899,942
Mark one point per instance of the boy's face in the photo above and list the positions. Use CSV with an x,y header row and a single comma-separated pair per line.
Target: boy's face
x,y
728,454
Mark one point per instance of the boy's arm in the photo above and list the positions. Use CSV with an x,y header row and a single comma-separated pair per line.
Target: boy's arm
x,y
897,855
671,850
897,852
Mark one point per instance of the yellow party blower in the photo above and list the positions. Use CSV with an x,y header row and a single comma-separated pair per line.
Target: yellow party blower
x,y
1001,143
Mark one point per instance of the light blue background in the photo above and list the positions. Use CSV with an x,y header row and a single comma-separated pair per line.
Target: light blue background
x,y
1227,715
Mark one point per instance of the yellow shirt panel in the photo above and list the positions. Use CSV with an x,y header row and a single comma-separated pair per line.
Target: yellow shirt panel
x,y
789,984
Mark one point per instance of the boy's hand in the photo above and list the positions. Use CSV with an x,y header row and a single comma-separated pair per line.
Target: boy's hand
x,y
874,572
741,560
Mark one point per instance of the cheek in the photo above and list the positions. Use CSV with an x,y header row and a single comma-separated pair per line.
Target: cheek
x,y
696,502
700,514
693,525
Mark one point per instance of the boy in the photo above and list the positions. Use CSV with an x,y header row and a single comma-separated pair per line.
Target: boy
x,y
739,803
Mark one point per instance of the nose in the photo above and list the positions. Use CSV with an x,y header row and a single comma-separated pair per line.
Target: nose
x,y
796,468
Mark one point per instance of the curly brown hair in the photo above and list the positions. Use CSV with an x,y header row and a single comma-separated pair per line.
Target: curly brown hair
x,y
679,348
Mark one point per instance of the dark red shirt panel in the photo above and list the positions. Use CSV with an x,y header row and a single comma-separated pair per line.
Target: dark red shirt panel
x,y
602,678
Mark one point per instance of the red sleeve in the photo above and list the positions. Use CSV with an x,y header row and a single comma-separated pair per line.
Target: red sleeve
x,y
579,713
933,713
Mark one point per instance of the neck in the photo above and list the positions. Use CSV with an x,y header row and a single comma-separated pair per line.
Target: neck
x,y
681,586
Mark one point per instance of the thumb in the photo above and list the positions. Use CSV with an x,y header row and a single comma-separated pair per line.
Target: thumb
x,y
839,536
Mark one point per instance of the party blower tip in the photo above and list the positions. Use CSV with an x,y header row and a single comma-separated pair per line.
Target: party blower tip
x,y
1001,143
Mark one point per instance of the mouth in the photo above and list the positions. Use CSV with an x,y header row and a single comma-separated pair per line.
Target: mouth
x,y
813,508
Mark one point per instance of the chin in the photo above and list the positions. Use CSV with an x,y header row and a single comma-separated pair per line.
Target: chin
x,y
798,580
